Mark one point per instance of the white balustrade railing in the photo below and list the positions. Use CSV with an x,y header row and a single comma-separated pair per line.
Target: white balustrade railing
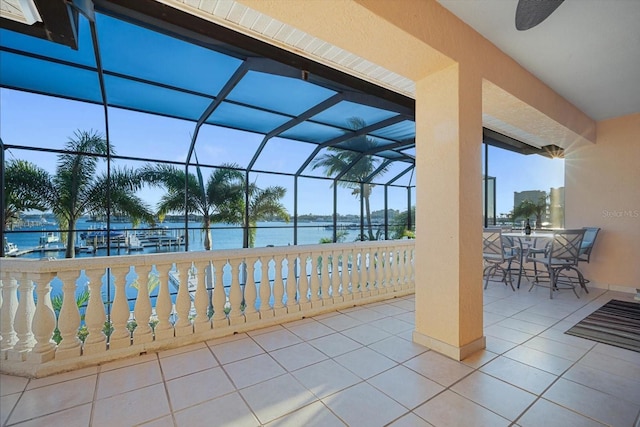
x,y
140,303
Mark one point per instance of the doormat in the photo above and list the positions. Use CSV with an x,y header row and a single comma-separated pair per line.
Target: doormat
x,y
615,323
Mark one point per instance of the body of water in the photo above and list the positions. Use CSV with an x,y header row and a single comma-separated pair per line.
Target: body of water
x,y
43,240
40,238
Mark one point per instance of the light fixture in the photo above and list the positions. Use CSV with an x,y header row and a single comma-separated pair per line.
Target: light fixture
x,y
553,151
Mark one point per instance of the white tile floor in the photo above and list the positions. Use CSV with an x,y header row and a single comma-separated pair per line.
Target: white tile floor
x,y
358,367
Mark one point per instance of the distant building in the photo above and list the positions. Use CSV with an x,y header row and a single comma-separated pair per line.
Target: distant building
x,y
489,200
533,196
554,215
556,207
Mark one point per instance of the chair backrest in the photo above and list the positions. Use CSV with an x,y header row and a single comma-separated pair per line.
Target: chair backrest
x,y
565,246
589,240
492,243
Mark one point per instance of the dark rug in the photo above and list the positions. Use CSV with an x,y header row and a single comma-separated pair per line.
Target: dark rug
x,y
616,323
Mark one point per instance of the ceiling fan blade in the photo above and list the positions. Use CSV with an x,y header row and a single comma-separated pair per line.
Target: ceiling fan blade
x,y
530,13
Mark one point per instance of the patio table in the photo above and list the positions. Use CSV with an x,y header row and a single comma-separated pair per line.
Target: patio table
x,y
526,242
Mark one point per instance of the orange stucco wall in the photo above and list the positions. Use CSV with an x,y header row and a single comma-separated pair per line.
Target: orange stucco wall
x,y
602,189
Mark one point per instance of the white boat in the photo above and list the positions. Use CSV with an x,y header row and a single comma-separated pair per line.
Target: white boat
x,y
48,238
10,248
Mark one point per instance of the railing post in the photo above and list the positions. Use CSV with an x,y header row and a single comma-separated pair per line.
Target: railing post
x,y
374,261
201,299
265,289
412,269
325,279
387,269
366,269
278,287
164,328
304,286
23,320
183,325
219,318
336,288
142,312
396,269
7,316
95,315
344,276
250,292
44,322
356,272
402,271
120,335
316,298
292,284
236,315
407,268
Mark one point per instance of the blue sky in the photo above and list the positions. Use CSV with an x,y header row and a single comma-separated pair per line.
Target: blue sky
x,y
40,121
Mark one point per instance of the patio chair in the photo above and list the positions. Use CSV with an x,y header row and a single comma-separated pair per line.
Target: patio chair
x,y
496,255
515,249
589,240
561,259
535,247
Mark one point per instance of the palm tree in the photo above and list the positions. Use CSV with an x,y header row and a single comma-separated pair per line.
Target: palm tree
x,y
264,204
77,190
27,187
357,167
399,225
219,200
527,209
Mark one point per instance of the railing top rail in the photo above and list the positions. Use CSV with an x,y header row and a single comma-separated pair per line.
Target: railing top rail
x,y
54,265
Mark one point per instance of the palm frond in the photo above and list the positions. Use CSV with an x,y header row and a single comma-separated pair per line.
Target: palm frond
x,y
173,180
26,187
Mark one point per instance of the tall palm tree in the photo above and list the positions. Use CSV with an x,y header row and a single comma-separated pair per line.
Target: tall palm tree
x,y
218,200
78,190
264,204
27,187
357,167
527,209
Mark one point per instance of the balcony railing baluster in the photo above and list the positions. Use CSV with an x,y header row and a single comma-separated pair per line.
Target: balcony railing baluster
x,y
250,291
164,327
185,273
44,321
236,313
292,284
69,317
315,279
7,316
142,309
219,318
95,316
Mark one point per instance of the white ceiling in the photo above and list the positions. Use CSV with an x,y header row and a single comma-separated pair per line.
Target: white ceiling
x,y
588,51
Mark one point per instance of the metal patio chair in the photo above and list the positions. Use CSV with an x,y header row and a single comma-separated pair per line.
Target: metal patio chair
x,y
560,260
496,255
590,235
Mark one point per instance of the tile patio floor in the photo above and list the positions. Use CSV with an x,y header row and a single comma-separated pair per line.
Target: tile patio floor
x,y
358,367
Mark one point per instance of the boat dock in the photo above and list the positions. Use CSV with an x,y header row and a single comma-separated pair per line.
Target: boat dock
x,y
131,244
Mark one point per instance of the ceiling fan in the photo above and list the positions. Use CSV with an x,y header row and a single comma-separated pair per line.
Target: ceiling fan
x,y
530,13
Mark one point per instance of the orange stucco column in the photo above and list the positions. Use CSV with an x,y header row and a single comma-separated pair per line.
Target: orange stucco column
x,y
449,212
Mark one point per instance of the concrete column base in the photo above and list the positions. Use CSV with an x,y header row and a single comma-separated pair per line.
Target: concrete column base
x,y
456,353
